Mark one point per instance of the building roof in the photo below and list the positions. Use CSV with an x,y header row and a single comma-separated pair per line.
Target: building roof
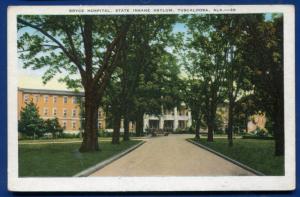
x,y
51,92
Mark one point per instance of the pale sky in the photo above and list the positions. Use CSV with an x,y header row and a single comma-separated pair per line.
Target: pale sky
x,y
35,82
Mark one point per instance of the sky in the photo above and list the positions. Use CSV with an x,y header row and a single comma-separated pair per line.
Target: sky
x,y
33,78
29,78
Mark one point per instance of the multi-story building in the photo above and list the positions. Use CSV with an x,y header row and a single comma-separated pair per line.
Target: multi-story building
x,y
63,105
178,118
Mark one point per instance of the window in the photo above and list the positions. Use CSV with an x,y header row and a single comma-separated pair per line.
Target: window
x,y
99,125
65,113
168,124
54,111
65,124
73,125
36,98
74,99
54,99
46,98
65,99
26,98
182,112
99,113
74,113
45,111
181,124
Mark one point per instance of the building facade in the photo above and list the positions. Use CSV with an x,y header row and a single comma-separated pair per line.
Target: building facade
x,y
63,105
178,118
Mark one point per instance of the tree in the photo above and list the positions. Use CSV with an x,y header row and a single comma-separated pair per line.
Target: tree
x,y
52,126
206,62
264,52
194,90
30,122
129,95
232,30
158,87
86,45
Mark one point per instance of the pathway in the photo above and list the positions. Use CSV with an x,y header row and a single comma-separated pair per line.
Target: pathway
x,y
171,156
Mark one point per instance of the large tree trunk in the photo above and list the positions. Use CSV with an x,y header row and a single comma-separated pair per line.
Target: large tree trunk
x,y
210,134
246,122
197,132
230,122
278,117
116,131
126,128
211,126
139,124
90,137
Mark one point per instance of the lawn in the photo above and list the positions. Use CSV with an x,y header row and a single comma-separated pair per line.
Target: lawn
x,y
61,160
257,154
59,140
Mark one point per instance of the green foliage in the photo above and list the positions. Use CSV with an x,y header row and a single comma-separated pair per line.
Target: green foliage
x,y
52,126
70,135
30,122
189,130
31,125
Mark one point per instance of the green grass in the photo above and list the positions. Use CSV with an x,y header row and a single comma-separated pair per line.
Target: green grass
x,y
61,160
58,140
257,154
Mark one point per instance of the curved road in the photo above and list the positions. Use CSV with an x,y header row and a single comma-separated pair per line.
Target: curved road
x,y
171,156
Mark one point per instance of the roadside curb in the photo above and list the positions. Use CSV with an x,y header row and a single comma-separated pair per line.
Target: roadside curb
x,y
227,158
104,163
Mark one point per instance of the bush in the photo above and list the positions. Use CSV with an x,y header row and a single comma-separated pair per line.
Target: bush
x,y
219,131
259,133
52,126
23,136
70,135
189,130
30,123
104,133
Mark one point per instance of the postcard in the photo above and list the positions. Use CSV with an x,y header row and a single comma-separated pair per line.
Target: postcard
x,y
151,98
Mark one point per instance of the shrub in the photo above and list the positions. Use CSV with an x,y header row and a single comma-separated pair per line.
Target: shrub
x,y
52,126
70,135
219,131
30,123
104,133
191,129
259,133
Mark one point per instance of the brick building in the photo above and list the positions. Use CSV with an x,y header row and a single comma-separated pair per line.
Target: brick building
x,y
62,104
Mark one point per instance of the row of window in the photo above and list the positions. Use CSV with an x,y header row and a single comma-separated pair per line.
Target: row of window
x,y
65,124
73,124
65,112
169,124
46,99
180,113
54,112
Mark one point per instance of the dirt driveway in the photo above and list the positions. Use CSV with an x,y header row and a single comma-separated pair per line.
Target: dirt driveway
x,y
171,156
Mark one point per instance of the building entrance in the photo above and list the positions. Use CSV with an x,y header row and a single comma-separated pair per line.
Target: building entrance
x,y
168,125
153,124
